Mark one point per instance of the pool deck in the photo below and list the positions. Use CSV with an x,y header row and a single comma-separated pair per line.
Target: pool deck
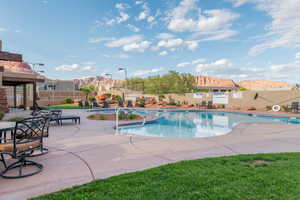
x,y
82,153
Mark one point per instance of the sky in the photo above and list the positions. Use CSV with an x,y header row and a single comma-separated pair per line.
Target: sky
x,y
236,39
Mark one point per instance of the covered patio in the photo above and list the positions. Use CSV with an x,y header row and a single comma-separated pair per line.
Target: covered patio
x,y
18,77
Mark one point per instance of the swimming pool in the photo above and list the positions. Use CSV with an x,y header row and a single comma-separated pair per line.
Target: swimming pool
x,y
197,124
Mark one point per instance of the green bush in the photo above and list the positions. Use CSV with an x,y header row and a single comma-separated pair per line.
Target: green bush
x,y
122,117
242,89
268,108
91,99
102,117
285,108
118,98
68,100
2,113
132,116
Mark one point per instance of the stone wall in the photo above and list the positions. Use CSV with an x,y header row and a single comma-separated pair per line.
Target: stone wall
x,y
241,100
3,100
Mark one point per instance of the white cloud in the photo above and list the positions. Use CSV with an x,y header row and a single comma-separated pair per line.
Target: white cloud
x,y
163,53
177,42
192,45
133,28
147,72
145,14
78,67
194,62
121,56
225,68
297,56
137,46
165,36
214,24
138,2
101,39
4,30
170,43
184,64
284,29
124,41
123,16
122,6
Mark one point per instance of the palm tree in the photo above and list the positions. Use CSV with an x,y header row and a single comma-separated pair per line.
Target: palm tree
x,y
87,90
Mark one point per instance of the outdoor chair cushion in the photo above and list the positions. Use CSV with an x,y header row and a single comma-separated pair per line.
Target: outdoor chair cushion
x,y
9,146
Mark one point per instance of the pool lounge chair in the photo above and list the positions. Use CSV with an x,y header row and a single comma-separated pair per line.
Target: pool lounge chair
x,y
295,107
210,105
56,115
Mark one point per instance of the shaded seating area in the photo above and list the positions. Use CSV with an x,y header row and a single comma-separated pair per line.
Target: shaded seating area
x,y
27,137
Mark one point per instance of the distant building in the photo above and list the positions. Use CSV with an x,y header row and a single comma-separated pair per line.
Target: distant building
x,y
60,85
215,84
268,85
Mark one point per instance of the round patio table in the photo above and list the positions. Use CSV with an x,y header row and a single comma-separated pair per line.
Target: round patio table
x,y
4,127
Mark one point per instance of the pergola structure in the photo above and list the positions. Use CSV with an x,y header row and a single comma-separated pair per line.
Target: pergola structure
x,y
14,72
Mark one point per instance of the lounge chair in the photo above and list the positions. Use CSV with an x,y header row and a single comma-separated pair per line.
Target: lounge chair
x,y
209,105
129,104
203,104
295,107
27,137
56,115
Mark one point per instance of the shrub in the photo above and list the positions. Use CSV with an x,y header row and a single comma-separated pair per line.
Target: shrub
x,y
91,99
92,116
242,89
285,108
68,100
222,106
102,117
122,117
132,116
118,98
2,113
268,108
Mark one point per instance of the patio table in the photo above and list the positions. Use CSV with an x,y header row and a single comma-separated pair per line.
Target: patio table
x,y
4,127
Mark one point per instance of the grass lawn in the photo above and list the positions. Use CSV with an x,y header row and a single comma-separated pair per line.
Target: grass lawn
x,y
67,106
244,177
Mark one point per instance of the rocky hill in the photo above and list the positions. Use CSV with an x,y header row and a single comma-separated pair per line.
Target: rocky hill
x,y
101,83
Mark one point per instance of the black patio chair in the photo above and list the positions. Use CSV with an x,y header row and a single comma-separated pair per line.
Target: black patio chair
x,y
210,105
105,104
203,104
55,115
121,104
295,107
129,104
27,137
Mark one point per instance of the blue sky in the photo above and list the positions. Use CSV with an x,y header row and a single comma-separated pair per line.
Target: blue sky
x,y
238,39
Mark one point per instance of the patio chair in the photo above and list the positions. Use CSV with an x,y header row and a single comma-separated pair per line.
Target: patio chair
x,y
55,115
295,107
210,105
129,104
105,104
27,137
203,104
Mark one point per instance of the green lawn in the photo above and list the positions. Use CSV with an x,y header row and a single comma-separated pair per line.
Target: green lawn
x,y
244,177
67,106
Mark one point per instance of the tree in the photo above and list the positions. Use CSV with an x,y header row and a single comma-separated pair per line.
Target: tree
x,y
87,90
173,82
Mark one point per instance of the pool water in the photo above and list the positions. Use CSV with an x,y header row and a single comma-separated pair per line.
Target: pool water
x,y
198,124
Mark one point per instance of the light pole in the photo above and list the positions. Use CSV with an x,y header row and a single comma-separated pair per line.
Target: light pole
x,y
109,74
125,71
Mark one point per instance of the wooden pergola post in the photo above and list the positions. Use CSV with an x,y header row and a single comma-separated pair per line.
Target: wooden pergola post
x,y
25,96
34,96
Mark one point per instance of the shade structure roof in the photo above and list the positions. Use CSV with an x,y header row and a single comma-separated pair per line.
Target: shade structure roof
x,y
18,73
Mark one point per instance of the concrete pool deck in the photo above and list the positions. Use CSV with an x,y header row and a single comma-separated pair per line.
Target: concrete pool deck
x,y
82,153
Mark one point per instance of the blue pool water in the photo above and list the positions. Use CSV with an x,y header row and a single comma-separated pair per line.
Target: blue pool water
x,y
197,124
